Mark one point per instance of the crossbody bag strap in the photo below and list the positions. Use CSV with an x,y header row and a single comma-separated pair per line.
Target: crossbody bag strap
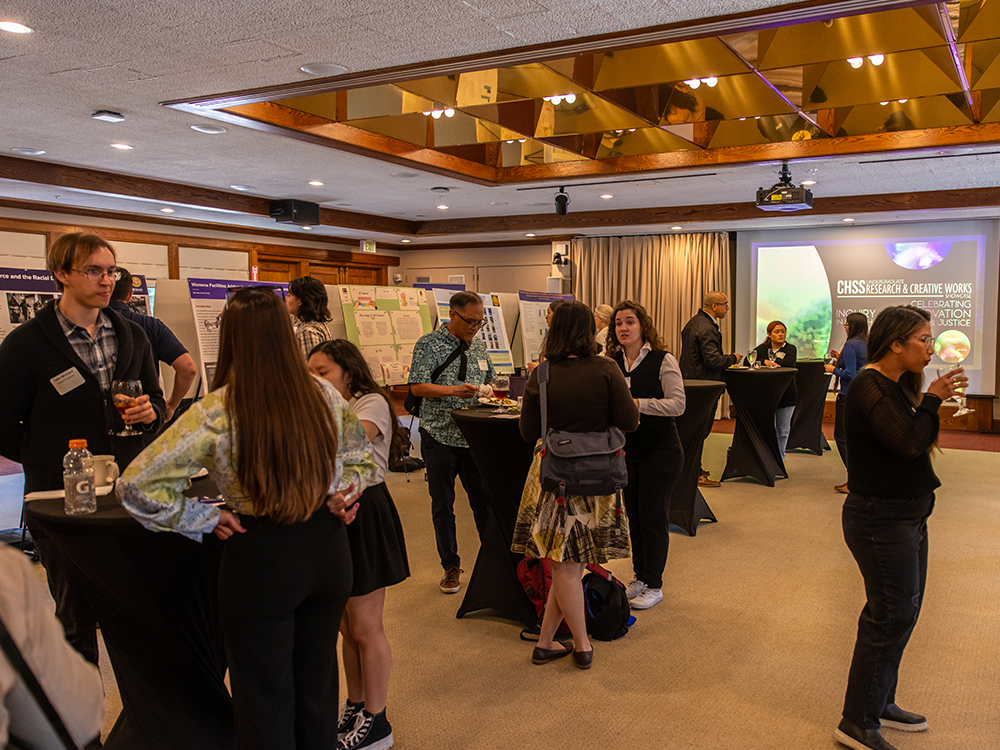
x,y
543,393
20,666
451,358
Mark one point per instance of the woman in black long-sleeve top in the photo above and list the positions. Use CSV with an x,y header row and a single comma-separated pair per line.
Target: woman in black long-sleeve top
x,y
776,352
891,429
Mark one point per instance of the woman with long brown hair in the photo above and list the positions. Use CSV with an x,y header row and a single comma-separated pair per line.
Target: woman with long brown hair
x,y
267,434
378,551
653,453
891,428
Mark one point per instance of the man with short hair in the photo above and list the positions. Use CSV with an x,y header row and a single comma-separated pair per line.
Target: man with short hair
x,y
163,344
56,372
702,357
445,451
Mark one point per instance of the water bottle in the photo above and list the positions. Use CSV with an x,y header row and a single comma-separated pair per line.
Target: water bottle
x,y
78,479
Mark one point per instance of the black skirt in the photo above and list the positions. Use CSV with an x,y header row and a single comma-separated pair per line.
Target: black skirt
x,y
378,549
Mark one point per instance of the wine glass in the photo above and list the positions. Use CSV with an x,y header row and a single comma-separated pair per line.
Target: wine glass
x,y
501,386
959,398
772,356
752,357
124,394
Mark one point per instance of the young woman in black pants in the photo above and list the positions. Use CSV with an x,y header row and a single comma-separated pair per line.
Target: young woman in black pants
x,y
653,453
850,361
891,428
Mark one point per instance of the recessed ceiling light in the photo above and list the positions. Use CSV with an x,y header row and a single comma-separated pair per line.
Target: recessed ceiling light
x,y
607,195
167,210
808,182
315,183
243,187
108,116
855,62
848,219
676,228
209,129
122,146
26,151
876,60
903,101
449,112
405,175
15,28
530,234
307,228
406,241
443,207
323,70
883,103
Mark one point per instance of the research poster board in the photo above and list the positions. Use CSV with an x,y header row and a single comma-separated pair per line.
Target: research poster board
x,y
442,294
493,333
208,300
385,322
813,279
534,306
141,301
24,292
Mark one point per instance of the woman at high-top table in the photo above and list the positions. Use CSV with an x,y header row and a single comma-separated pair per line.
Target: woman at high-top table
x,y
892,428
777,352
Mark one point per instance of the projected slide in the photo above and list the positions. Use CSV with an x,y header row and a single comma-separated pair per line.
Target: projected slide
x,y
813,283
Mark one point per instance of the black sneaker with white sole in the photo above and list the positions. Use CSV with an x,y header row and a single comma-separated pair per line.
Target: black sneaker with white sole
x,y
904,721
348,713
859,738
371,732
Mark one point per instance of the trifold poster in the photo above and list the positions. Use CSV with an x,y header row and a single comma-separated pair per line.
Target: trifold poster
x,y
208,300
23,292
534,306
493,332
384,323
140,301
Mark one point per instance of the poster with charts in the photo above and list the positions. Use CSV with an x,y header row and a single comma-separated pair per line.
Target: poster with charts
x,y
23,292
534,306
493,333
381,327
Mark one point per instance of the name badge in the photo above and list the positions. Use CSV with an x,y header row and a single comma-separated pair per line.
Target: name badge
x,y
65,382
780,355
483,365
628,381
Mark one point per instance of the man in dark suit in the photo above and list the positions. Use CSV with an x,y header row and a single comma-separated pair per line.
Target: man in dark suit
x,y
56,372
701,354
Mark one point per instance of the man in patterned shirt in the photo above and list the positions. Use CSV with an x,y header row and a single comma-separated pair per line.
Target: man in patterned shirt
x,y
56,372
443,447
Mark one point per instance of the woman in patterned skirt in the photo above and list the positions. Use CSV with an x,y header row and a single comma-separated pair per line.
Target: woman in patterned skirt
x,y
586,393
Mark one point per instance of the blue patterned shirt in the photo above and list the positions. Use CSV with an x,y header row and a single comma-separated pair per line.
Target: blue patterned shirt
x,y
429,353
98,353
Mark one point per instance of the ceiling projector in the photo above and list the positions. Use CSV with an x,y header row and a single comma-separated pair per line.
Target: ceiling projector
x,y
784,196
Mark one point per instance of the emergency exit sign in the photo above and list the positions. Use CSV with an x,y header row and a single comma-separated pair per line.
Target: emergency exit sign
x,y
368,246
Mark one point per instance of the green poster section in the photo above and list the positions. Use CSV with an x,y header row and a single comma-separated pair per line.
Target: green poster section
x,y
385,322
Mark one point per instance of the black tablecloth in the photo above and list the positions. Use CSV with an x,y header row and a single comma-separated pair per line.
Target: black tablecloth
x,y
755,394
503,460
154,595
687,505
812,383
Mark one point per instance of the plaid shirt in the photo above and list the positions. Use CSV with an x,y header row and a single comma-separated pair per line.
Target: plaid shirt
x,y
100,353
310,334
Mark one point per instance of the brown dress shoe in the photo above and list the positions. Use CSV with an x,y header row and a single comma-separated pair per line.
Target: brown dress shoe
x,y
584,659
451,581
545,655
705,481
842,488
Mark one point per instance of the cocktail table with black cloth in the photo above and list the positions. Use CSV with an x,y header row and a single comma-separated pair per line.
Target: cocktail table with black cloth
x,y
687,505
755,394
154,595
503,459
812,383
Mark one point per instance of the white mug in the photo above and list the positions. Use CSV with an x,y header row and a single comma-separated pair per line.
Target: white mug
x,y
105,470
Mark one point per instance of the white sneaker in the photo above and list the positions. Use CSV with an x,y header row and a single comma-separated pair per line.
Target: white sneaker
x,y
634,588
647,598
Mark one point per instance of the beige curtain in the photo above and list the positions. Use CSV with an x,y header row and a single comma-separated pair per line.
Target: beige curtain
x,y
667,274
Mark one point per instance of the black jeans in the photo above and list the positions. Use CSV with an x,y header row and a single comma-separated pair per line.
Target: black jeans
x,y
651,479
444,463
840,428
282,592
888,538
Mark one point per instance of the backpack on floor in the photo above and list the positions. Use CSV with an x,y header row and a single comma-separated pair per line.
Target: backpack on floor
x,y
606,604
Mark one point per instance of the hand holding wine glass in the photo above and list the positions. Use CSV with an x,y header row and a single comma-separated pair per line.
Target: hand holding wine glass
x,y
125,395
949,386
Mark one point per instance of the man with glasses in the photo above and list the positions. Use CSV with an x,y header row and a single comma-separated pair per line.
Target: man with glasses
x,y
56,372
450,365
702,357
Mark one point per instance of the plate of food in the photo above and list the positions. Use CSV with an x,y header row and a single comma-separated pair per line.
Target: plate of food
x,y
493,401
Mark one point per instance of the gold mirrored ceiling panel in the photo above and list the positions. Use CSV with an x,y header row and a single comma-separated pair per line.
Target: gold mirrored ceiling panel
x,y
742,96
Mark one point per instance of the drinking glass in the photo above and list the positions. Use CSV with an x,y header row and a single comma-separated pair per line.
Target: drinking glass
x,y
124,394
752,357
501,386
959,398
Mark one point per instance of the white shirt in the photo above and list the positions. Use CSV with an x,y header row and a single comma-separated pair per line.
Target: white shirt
x,y
673,402
372,408
72,684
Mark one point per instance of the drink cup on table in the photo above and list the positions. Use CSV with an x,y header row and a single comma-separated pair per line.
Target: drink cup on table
x,y
78,480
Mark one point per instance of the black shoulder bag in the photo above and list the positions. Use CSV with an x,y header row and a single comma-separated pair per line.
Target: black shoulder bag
x,y
412,403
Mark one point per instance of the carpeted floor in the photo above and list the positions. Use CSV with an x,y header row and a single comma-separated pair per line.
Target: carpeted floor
x,y
749,649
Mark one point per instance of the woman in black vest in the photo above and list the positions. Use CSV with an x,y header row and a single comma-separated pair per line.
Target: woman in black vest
x,y
653,453
776,352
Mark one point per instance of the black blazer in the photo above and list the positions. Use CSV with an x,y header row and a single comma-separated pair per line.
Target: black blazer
x,y
701,349
789,396
36,423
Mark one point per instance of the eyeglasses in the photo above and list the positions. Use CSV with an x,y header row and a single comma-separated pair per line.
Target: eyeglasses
x,y
927,341
95,273
720,304
471,323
